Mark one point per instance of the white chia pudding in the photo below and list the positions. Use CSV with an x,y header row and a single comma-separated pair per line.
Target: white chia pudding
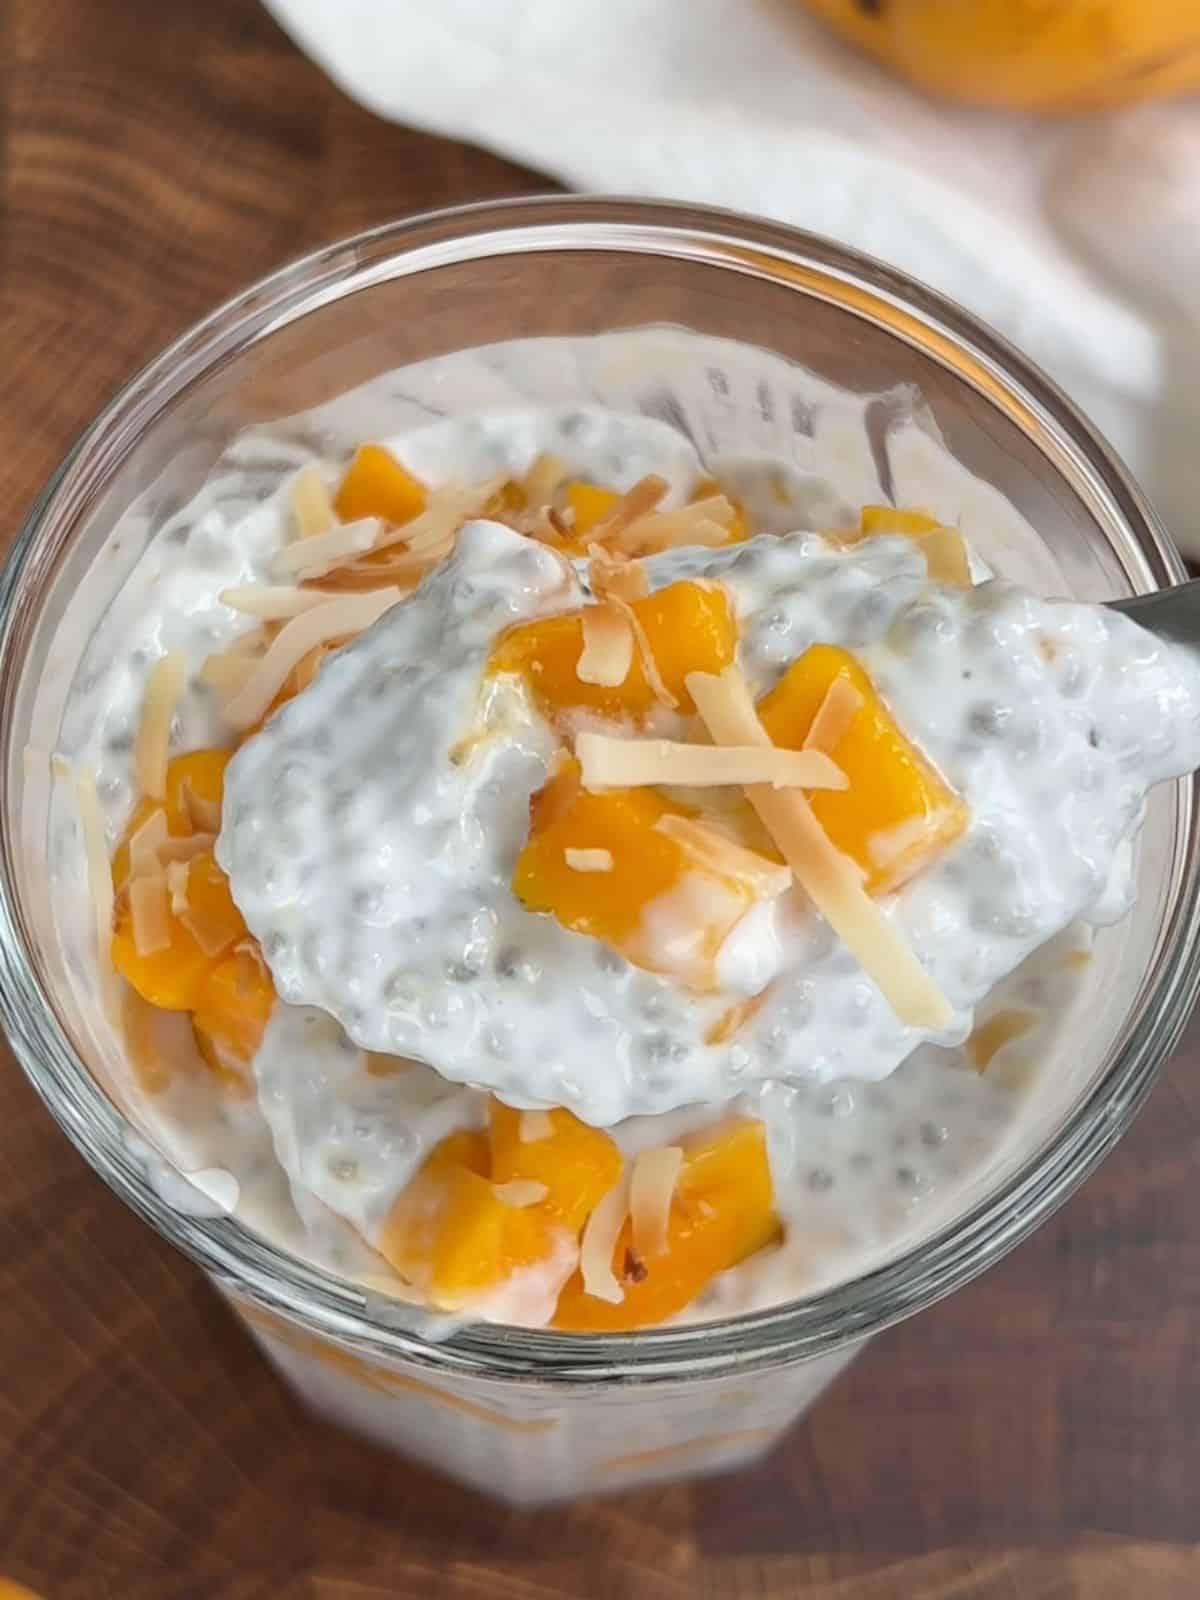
x,y
373,862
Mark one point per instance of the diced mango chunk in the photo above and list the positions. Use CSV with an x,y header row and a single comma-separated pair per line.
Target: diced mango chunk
x,y
232,1010
876,520
588,504
200,773
376,485
170,978
141,813
656,904
211,911
898,812
739,529
645,863
198,778
944,549
298,679
577,1164
722,1211
507,501
689,627
451,1235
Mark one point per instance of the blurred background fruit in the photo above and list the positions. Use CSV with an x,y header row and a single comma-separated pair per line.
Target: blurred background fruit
x,y
1034,55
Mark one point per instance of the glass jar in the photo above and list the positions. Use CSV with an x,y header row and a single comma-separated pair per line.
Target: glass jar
x,y
533,1416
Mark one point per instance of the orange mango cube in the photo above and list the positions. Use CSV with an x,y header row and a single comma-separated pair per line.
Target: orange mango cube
x,y
577,1164
589,504
170,978
689,627
199,775
376,485
874,521
722,1211
211,909
452,1236
739,529
898,812
656,904
232,1010
508,501
944,549
645,864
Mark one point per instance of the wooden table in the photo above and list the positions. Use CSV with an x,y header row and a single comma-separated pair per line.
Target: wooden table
x,y
1033,1438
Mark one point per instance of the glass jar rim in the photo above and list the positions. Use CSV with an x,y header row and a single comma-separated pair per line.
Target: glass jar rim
x,y
912,1280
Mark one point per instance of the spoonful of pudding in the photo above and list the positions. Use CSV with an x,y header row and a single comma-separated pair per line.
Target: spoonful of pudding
x,y
626,837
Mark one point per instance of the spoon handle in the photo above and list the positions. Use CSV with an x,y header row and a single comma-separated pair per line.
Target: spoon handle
x,y
1169,613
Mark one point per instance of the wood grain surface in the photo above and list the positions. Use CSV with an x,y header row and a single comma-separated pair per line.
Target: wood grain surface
x,y
1033,1439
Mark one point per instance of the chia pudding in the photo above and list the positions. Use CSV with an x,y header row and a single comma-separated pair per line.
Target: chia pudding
x,y
467,1012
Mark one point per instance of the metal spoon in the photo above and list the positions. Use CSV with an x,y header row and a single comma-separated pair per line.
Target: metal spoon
x,y
1170,613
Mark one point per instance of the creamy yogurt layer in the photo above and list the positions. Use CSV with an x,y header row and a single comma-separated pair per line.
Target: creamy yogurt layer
x,y
347,1055
372,827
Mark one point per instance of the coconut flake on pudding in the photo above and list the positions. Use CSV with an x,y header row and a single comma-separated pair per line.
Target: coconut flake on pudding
x,y
375,828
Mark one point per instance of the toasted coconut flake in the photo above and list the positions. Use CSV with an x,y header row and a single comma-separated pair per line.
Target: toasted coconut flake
x,y
1000,1029
614,576
716,852
149,915
544,524
399,570
588,860
832,881
543,480
211,935
173,848
614,763
534,1125
520,1192
599,1241
163,689
651,1190
145,843
704,522
312,504
325,552
888,846
946,559
634,503
414,564
445,512
306,669
607,653
351,581
177,878
141,1034
337,619
836,712
99,874
646,653
204,815
272,602
731,1022
227,670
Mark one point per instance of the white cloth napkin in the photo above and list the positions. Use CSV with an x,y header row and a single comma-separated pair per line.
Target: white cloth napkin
x,y
1077,239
